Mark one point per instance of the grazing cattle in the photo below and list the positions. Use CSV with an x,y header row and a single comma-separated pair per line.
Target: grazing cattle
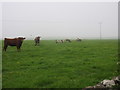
x,y
59,41
67,40
37,40
13,42
78,39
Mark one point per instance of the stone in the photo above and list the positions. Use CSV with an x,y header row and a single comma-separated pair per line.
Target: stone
x,y
117,80
108,83
88,88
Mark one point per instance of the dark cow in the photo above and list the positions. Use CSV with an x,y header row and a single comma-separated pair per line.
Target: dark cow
x,y
67,40
13,42
78,39
37,40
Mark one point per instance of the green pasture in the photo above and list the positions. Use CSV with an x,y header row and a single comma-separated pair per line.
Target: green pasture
x,y
62,65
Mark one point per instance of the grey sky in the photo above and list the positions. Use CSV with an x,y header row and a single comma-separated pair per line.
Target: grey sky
x,y
60,20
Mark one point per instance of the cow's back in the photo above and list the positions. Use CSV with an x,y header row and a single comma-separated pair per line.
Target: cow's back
x,y
10,42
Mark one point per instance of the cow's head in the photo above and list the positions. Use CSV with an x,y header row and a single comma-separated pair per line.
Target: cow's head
x,y
39,37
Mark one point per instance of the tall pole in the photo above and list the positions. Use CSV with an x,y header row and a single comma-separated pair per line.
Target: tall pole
x,y
100,30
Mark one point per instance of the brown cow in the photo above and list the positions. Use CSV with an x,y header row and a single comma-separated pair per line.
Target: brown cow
x,y
13,42
37,40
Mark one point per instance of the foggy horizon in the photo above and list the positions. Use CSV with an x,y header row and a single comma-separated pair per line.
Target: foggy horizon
x,y
60,20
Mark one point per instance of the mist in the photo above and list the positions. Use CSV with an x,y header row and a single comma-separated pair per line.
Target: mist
x,y
56,20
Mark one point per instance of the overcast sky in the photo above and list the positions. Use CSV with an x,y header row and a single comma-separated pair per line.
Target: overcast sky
x,y
60,19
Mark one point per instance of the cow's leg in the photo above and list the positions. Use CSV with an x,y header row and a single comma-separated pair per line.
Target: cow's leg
x,y
18,48
56,41
5,47
35,44
39,43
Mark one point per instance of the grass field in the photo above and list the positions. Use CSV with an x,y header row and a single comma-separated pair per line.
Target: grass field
x,y
67,65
